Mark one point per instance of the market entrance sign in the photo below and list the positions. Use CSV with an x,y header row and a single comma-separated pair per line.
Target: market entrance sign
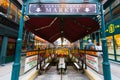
x,y
62,9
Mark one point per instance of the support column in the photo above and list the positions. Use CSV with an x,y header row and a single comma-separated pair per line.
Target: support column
x,y
91,37
114,46
97,37
81,43
33,44
106,64
8,11
3,49
28,41
94,37
16,65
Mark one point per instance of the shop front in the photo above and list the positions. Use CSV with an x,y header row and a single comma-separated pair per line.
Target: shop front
x,y
113,40
8,30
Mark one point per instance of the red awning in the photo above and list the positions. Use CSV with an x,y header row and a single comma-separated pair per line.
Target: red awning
x,y
51,28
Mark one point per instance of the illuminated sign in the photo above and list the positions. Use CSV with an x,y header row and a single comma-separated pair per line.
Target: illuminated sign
x,y
111,28
61,9
30,62
89,52
92,62
31,53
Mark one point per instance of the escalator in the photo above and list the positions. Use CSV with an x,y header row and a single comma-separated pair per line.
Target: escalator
x,y
71,74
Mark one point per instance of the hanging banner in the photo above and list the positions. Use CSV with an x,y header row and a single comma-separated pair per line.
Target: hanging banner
x,y
62,9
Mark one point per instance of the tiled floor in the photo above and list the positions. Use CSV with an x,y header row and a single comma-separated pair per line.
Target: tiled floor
x,y
71,74
115,70
5,71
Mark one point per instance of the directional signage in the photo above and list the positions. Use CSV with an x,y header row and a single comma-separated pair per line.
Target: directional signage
x,y
61,9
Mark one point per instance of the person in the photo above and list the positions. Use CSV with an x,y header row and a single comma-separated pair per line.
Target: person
x,y
99,48
100,57
82,61
61,64
90,45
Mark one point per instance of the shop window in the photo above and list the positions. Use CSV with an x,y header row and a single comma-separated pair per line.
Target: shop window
x,y
4,6
110,45
11,47
117,43
19,15
111,57
118,58
13,12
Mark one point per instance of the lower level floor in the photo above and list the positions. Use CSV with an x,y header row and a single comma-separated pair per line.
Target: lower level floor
x,y
52,74
70,74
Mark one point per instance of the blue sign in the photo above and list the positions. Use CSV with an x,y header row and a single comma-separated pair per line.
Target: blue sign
x,y
113,27
62,9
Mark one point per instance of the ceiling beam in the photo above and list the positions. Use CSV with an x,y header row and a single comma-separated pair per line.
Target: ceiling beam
x,y
108,3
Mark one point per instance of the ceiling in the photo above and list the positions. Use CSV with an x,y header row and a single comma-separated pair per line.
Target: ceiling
x,y
51,28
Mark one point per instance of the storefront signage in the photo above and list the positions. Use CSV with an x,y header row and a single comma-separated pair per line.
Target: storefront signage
x,y
61,9
92,53
42,51
30,62
111,28
82,51
31,53
75,51
92,62
89,52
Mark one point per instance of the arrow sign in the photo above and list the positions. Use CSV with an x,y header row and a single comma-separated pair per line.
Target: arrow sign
x,y
87,9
